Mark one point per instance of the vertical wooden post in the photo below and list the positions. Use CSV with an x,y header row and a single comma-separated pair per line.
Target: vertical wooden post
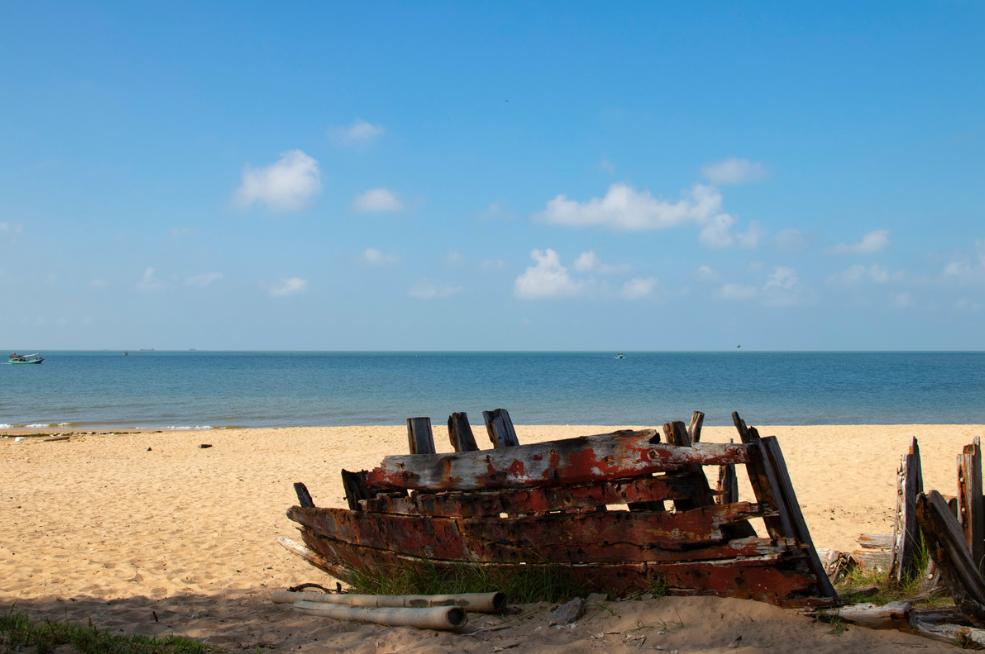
x,y
970,505
728,483
354,484
499,426
906,534
676,434
419,437
694,428
304,497
460,433
763,481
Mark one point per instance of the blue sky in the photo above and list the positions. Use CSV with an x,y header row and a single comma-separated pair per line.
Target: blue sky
x,y
492,176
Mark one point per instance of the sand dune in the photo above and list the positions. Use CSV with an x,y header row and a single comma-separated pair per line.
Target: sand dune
x,y
114,528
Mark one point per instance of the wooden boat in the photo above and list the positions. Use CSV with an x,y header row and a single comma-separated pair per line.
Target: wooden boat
x,y
17,359
621,512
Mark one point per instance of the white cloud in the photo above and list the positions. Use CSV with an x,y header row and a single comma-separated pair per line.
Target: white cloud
x,y
288,286
589,262
628,209
375,257
706,273
357,134
427,290
547,278
289,184
789,240
638,288
149,280
734,171
203,280
377,200
872,242
781,288
968,269
856,274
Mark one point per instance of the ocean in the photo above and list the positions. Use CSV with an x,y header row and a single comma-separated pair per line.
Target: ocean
x,y
182,390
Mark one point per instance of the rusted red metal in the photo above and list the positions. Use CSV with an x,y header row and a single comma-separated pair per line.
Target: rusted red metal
x,y
536,500
618,455
514,508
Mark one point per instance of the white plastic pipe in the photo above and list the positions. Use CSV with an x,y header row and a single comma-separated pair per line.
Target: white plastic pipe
x,y
447,618
473,602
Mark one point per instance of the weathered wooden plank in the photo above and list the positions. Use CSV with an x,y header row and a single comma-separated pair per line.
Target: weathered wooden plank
x,y
894,615
499,426
971,511
304,497
555,537
876,541
460,433
584,459
354,485
945,541
420,439
648,490
906,534
764,485
779,580
677,434
694,427
789,497
728,485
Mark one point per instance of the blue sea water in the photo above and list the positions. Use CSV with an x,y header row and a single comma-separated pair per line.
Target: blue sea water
x,y
185,389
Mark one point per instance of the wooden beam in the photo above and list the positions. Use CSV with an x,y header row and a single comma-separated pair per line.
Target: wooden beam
x,y
789,498
460,433
677,434
694,427
420,440
945,541
617,455
304,497
640,492
354,485
971,511
499,426
906,533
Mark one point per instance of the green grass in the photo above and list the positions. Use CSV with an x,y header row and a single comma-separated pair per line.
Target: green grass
x,y
535,583
888,589
20,633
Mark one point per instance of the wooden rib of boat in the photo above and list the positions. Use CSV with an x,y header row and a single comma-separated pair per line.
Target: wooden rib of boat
x,y
620,512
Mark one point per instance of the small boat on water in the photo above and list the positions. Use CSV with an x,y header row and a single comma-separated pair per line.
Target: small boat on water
x,y
15,358
620,355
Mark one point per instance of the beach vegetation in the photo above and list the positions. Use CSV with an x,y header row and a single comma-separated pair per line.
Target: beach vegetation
x,y
19,633
522,584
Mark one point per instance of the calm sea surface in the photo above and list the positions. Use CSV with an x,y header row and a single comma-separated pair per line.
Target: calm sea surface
x,y
185,389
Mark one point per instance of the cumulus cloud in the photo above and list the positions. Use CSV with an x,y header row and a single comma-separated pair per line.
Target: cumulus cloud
x,y
734,171
547,278
203,280
149,281
375,257
782,287
289,184
588,261
377,200
625,208
428,290
357,134
288,286
874,241
638,288
857,274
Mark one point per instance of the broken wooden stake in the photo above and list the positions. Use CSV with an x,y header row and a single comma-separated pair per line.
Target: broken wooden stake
x,y
971,510
906,534
304,497
420,440
499,426
460,433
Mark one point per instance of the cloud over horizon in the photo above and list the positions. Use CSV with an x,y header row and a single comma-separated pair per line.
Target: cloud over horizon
x,y
289,184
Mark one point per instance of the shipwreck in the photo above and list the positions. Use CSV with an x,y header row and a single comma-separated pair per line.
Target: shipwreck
x,y
621,511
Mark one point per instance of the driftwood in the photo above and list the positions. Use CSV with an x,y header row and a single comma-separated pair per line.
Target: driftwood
x,y
571,461
472,602
894,615
955,634
499,426
906,535
445,618
460,433
420,439
971,512
945,541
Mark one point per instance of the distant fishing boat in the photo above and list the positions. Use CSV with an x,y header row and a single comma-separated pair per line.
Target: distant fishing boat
x,y
620,356
15,358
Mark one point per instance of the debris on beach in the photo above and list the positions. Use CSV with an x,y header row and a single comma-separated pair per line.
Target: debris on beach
x,y
620,513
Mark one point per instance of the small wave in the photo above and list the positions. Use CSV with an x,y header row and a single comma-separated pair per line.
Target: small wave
x,y
188,427
5,425
39,425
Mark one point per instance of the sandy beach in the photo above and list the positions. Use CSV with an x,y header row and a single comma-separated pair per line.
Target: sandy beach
x,y
149,533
